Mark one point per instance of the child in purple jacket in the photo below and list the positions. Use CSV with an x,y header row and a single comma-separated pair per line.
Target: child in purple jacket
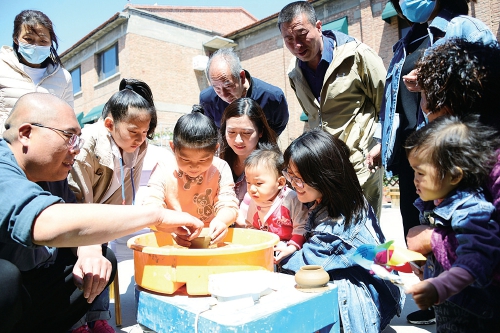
x,y
451,160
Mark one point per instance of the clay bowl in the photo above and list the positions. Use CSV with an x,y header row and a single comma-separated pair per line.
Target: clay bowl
x,y
202,241
311,276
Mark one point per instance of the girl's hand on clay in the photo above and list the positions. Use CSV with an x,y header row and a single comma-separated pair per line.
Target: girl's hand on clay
x,y
218,230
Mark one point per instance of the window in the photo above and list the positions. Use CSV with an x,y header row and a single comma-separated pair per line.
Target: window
x,y
76,77
108,62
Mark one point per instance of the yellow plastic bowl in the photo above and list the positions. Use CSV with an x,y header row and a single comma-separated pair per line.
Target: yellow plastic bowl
x,y
166,269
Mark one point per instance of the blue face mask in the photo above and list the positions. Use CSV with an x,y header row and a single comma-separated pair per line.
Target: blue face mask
x,y
417,11
34,54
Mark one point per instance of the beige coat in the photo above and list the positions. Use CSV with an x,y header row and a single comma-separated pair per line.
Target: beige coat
x,y
351,97
91,175
14,83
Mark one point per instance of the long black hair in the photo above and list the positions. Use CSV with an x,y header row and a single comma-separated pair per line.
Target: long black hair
x,y
132,94
323,163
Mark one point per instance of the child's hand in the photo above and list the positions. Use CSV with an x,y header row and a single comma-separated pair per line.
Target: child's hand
x,y
218,230
283,251
424,294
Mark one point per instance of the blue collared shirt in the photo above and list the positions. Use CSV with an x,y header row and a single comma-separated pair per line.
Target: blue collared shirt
x,y
316,77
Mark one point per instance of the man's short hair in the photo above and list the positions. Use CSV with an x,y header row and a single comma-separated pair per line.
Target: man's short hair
x,y
294,9
231,59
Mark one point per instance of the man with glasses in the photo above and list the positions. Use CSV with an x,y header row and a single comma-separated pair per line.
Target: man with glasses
x,y
339,83
51,269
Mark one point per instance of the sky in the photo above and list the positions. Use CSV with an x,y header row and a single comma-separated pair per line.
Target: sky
x,y
73,19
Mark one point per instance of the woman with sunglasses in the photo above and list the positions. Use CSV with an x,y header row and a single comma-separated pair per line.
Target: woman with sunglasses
x,y
32,63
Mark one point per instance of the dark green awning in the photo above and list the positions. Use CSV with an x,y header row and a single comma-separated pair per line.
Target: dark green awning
x,y
389,12
94,114
338,25
303,116
79,118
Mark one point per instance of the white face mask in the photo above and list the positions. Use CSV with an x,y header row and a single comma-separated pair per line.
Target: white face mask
x,y
426,117
34,54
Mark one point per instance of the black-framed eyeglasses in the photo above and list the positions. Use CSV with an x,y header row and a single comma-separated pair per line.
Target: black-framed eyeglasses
x,y
74,142
296,180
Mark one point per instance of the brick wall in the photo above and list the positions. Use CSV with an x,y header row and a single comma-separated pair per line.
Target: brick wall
x,y
93,93
166,68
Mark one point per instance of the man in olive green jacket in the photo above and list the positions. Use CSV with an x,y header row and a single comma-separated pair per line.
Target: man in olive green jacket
x,y
339,83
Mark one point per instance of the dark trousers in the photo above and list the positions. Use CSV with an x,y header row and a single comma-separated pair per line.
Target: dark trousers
x,y
43,299
408,195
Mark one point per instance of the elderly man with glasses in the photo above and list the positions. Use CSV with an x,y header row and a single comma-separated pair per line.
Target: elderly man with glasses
x,y
51,268
229,81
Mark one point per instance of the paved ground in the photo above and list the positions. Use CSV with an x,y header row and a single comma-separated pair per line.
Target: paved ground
x,y
391,225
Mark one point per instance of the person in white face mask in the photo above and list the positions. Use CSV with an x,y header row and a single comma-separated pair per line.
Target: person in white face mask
x,y
32,63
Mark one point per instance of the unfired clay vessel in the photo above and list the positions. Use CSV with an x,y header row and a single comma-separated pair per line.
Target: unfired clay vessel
x,y
311,276
202,241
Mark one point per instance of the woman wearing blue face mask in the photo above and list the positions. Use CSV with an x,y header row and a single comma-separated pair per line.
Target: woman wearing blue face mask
x,y
432,23
32,63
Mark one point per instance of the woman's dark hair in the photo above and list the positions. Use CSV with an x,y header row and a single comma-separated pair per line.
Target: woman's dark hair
x,y
238,108
323,163
464,76
132,94
449,143
30,19
196,131
459,7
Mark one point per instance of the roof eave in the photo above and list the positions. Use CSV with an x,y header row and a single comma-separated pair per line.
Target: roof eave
x,y
95,34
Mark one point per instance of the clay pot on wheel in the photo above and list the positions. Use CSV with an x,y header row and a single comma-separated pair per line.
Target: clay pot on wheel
x,y
202,241
311,276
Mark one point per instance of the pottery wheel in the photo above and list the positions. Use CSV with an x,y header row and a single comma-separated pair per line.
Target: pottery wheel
x,y
311,290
